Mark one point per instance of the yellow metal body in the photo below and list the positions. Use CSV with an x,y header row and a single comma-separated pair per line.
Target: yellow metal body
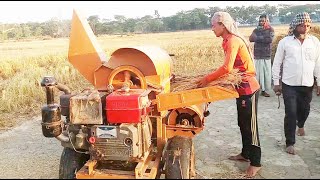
x,y
153,62
145,169
151,67
84,54
196,111
117,76
184,127
186,98
87,56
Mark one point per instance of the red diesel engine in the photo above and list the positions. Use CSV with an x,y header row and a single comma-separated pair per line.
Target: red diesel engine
x,y
127,106
128,130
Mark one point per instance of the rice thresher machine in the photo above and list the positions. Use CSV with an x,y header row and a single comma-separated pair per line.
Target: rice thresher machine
x,y
130,125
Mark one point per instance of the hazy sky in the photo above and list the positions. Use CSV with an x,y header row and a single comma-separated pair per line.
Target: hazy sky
x,y
39,11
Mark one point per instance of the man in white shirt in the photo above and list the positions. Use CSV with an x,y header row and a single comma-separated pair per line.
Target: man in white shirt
x,y
296,63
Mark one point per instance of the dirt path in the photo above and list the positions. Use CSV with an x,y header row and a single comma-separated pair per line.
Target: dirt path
x,y
26,153
221,138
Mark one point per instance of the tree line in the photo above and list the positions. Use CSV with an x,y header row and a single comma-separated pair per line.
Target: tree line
x,y
196,19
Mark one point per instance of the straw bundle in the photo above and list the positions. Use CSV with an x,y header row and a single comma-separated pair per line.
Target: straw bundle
x,y
230,80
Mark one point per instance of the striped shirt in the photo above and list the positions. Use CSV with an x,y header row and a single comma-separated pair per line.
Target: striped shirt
x,y
237,56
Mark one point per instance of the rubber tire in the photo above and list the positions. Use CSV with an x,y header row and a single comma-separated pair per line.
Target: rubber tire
x,y
70,163
186,161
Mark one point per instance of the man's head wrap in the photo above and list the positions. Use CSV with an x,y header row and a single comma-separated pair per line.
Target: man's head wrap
x,y
231,26
299,19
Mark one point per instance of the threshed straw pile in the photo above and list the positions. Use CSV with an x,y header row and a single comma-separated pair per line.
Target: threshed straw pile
x,y
182,82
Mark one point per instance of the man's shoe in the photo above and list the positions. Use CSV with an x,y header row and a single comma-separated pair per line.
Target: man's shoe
x,y
263,93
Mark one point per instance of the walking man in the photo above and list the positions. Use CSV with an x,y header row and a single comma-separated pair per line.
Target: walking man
x,y
299,56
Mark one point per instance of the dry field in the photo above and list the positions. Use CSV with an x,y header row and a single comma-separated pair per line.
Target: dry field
x,y
23,64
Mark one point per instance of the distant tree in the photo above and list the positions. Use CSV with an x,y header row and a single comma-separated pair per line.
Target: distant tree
x,y
210,12
65,28
197,18
156,14
169,23
50,28
120,23
15,33
130,25
26,31
37,32
94,22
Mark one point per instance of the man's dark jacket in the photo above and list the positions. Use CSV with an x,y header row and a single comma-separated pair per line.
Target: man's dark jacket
x,y
262,42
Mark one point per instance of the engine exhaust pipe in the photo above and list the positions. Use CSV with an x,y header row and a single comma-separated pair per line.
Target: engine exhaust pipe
x,y
51,113
63,138
63,88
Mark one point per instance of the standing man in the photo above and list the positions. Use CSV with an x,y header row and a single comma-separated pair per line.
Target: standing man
x,y
298,54
238,55
262,36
